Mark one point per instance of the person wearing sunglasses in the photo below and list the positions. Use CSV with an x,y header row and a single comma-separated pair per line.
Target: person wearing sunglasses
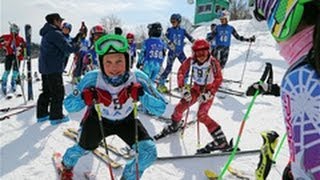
x,y
295,25
174,38
223,34
113,90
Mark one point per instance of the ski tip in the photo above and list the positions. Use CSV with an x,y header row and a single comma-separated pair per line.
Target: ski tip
x,y
211,175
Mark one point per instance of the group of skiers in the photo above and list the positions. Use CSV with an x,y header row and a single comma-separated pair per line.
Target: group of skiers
x,y
111,92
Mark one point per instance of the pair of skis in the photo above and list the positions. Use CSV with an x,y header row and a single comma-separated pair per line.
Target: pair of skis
x,y
16,110
73,134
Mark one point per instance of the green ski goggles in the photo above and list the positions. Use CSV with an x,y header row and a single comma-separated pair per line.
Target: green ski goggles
x,y
111,43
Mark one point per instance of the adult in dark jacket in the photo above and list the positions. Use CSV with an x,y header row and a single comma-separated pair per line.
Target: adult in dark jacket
x,y
53,50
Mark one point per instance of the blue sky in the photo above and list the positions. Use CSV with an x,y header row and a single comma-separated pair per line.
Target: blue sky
x,y
131,12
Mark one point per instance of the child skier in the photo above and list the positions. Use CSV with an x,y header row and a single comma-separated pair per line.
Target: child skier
x,y
223,39
14,46
152,52
175,36
211,37
132,48
78,58
295,25
206,76
66,30
90,57
114,89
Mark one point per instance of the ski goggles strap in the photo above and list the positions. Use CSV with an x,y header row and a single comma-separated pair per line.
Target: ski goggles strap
x,y
111,43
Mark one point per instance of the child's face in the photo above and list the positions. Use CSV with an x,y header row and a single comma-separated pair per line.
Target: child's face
x,y
96,36
130,40
65,31
174,23
114,64
202,55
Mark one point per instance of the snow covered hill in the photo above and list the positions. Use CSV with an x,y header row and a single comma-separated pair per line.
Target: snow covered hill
x,y
27,146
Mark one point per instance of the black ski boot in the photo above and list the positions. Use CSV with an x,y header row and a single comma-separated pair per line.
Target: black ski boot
x,y
219,143
172,128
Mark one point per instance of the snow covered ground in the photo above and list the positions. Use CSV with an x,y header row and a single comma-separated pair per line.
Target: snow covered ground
x,y
27,146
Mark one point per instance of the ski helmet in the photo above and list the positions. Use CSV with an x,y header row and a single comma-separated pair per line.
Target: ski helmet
x,y
14,28
118,30
67,25
130,36
98,29
155,29
282,16
112,43
200,44
225,15
176,17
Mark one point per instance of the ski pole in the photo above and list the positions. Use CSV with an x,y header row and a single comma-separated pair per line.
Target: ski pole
x,y
97,107
279,148
231,157
188,110
245,64
135,114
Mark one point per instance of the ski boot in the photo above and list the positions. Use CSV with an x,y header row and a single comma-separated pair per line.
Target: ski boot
x,y
66,174
270,141
172,128
219,143
162,89
4,88
13,85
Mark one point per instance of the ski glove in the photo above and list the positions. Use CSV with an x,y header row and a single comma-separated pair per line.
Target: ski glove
x,y
96,95
186,94
204,97
134,91
171,46
252,39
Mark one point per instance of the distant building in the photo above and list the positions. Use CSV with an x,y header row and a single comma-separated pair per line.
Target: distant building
x,y
207,10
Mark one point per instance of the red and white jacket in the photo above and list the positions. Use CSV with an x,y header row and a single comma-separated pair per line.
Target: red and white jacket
x,y
8,42
206,76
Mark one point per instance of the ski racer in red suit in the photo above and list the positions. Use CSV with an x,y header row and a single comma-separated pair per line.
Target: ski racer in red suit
x,y
206,77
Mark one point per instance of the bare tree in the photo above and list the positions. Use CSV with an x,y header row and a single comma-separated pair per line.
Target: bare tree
x,y
187,24
239,10
140,35
110,22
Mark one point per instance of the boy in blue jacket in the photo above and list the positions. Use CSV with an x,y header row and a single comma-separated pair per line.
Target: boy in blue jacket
x,y
174,38
152,52
114,90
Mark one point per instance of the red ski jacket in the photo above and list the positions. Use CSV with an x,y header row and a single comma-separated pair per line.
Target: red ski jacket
x,y
206,76
9,43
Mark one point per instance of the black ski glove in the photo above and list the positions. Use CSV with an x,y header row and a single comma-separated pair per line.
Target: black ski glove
x,y
252,39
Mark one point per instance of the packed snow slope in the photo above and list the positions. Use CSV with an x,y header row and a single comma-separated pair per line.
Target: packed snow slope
x,y
27,146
